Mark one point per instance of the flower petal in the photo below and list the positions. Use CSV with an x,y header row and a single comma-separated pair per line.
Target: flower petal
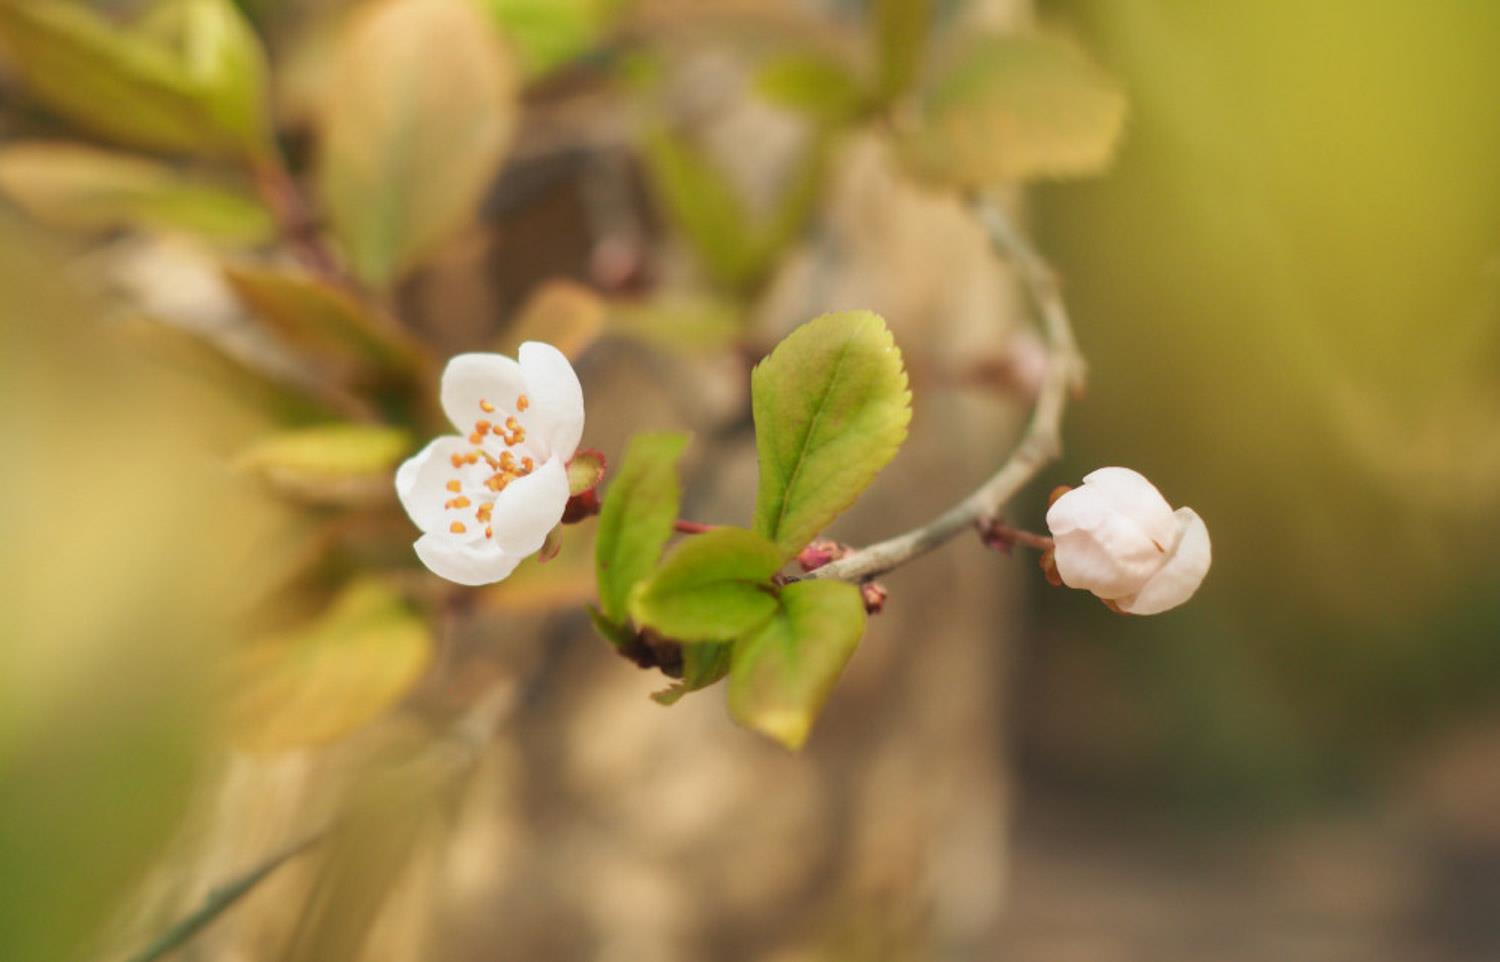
x,y
1137,499
556,411
1097,548
467,564
471,381
1180,577
421,482
530,507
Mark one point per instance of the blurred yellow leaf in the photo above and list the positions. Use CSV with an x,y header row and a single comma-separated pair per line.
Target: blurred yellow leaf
x,y
314,684
319,319
338,463
87,189
563,313
194,80
421,108
682,322
1012,108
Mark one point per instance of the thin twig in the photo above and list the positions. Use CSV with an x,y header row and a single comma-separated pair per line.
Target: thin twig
x,y
295,219
1040,444
692,527
220,900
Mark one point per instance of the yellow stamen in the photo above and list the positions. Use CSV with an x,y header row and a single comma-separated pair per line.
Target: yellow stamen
x,y
486,406
457,527
454,485
523,402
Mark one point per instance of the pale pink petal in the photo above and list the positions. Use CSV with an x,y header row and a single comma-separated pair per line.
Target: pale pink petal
x,y
1180,577
555,418
1097,548
473,381
530,507
467,564
1137,499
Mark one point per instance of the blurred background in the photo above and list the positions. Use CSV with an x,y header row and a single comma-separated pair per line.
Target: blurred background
x,y
228,278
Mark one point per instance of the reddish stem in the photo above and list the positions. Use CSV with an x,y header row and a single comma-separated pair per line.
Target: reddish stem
x,y
692,527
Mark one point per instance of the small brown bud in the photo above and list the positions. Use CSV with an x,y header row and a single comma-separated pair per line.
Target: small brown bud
x,y
874,594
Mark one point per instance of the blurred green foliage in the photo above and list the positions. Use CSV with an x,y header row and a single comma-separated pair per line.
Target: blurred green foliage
x,y
1288,288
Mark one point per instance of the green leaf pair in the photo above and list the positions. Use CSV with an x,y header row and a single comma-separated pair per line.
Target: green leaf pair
x,y
783,646
190,78
831,408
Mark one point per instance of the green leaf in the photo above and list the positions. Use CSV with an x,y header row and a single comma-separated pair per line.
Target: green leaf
x,y
195,82
338,463
704,205
319,319
819,86
831,408
421,109
87,189
550,33
711,587
612,632
317,683
635,520
702,665
901,31
783,673
1014,108
585,472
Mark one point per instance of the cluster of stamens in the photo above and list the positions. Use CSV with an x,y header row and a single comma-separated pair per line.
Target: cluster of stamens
x,y
506,468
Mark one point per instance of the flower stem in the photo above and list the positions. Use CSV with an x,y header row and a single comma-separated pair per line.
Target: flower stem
x,y
692,527
1040,443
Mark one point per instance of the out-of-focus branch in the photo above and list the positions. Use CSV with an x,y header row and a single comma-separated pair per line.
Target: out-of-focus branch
x,y
1041,442
295,220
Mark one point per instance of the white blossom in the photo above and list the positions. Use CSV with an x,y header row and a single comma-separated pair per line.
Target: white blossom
x,y
487,497
1117,536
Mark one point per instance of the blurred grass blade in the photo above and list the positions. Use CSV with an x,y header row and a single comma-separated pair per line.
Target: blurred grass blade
x,y
87,189
199,89
421,108
393,817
